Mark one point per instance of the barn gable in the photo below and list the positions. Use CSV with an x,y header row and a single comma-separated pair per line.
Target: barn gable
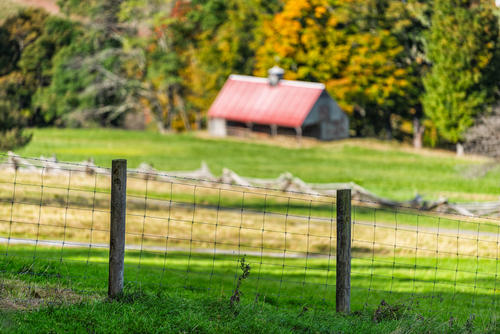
x,y
327,118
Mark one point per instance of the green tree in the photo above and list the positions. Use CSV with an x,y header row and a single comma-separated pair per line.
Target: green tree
x,y
409,22
463,46
86,84
89,79
18,33
32,39
77,7
12,125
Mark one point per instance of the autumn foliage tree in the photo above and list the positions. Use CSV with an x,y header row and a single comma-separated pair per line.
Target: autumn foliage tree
x,y
349,46
218,38
394,66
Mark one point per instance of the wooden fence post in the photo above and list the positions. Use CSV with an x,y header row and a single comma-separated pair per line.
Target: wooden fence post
x,y
343,288
117,227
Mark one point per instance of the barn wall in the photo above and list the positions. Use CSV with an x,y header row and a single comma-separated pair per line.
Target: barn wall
x,y
217,127
333,122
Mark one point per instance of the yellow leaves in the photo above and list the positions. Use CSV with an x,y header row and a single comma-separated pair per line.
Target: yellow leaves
x,y
333,21
310,22
291,76
400,72
224,46
319,11
403,84
358,66
294,8
145,102
339,82
283,50
349,109
406,126
302,34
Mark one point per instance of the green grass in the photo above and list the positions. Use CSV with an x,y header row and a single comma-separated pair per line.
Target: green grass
x,y
140,312
467,283
387,171
467,286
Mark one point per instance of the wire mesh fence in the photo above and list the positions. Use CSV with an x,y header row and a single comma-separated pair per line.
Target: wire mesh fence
x,y
189,237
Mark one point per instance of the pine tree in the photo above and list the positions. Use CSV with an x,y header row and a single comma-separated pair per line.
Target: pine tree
x,y
462,44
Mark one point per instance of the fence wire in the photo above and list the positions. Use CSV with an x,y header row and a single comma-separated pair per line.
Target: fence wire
x,y
190,238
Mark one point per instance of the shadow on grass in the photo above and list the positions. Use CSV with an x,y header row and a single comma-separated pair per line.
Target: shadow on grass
x,y
289,283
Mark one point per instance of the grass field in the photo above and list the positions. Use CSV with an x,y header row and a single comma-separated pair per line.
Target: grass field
x,y
139,312
383,168
302,283
187,239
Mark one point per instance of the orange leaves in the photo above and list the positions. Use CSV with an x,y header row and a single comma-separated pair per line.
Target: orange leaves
x,y
180,9
295,9
319,11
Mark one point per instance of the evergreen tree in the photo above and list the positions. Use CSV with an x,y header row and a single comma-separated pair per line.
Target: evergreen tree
x,y
32,39
463,47
409,22
88,84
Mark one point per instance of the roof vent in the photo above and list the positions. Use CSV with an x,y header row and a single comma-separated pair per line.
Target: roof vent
x,y
274,75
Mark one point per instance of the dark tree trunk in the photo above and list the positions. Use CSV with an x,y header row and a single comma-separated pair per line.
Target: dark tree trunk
x,y
388,126
182,109
198,120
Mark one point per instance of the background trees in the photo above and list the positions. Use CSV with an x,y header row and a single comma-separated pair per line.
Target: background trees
x,y
463,48
483,138
12,124
419,71
351,47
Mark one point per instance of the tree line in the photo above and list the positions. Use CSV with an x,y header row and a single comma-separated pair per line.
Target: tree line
x,y
420,71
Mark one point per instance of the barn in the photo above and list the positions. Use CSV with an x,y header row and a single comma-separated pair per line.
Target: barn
x,y
246,105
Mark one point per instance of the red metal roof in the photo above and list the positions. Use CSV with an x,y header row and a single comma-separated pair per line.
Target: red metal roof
x,y
251,99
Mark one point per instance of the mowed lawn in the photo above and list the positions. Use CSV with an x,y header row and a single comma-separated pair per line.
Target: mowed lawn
x,y
387,169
